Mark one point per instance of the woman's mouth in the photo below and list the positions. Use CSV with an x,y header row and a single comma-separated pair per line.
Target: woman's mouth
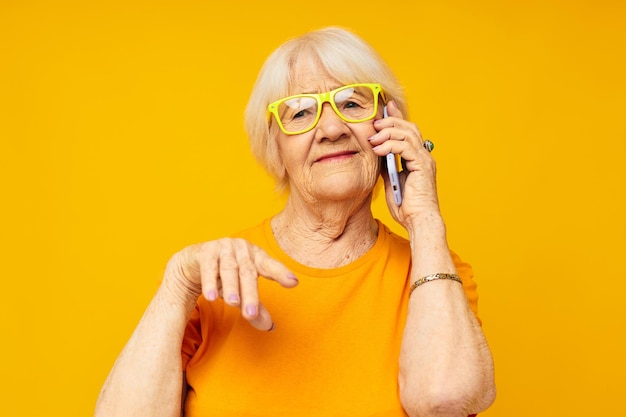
x,y
336,156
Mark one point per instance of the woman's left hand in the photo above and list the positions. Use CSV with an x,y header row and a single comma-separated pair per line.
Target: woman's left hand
x,y
418,177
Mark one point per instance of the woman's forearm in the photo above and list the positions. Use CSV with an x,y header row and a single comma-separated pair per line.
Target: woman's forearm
x,y
147,377
446,368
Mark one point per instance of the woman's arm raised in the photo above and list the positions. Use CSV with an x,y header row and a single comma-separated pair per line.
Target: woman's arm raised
x,y
446,368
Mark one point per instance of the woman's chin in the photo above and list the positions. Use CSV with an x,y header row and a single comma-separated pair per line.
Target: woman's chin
x,y
337,189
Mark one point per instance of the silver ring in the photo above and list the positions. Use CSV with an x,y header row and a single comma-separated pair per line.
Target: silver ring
x,y
428,145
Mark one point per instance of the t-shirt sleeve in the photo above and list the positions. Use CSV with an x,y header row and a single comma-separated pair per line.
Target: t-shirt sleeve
x,y
192,338
464,270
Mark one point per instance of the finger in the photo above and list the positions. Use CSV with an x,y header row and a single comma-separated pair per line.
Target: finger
x,y
248,279
263,321
272,269
422,163
393,110
407,143
413,159
395,118
393,133
402,148
229,273
407,132
206,258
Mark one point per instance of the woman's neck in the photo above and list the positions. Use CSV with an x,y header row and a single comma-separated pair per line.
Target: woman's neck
x,y
325,235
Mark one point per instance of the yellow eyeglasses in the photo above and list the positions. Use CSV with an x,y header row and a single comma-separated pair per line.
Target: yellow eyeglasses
x,y
353,103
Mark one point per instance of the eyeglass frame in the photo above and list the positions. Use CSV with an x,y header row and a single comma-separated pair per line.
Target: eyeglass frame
x,y
327,97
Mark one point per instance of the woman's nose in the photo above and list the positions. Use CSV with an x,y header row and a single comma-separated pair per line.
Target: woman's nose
x,y
330,126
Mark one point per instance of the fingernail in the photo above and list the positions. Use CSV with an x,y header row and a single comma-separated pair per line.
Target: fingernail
x,y
292,276
211,295
251,310
271,329
233,298
378,121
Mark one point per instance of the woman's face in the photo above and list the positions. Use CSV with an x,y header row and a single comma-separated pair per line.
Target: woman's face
x,y
334,160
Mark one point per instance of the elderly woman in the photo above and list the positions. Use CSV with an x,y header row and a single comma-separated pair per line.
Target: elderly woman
x,y
320,310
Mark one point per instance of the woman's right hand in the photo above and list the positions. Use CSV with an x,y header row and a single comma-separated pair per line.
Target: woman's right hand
x,y
227,268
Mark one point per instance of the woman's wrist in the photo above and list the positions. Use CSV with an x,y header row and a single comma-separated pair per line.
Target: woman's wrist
x,y
176,289
426,224
429,246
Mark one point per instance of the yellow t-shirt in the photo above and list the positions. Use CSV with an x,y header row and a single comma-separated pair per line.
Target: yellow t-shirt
x,y
335,348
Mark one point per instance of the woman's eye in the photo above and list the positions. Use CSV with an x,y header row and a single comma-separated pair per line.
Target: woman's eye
x,y
352,105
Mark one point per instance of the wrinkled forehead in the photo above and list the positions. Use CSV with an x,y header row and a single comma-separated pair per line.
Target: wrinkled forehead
x,y
308,75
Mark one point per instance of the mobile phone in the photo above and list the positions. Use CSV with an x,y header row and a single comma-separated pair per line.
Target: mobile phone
x,y
392,170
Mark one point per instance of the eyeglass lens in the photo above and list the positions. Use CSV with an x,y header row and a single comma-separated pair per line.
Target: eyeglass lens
x,y
355,104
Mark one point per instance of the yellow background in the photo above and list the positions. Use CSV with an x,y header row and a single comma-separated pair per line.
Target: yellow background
x,y
122,142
